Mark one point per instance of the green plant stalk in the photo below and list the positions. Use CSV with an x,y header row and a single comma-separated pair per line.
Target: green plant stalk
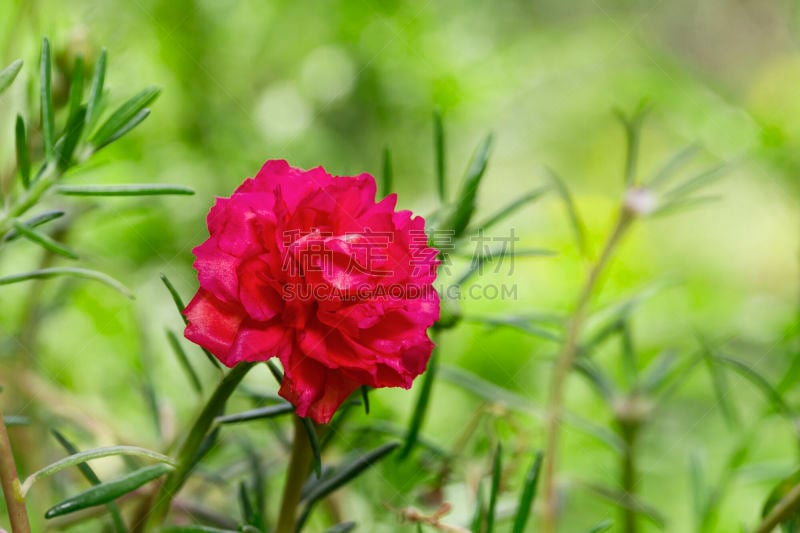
x,y
564,364
299,468
187,454
782,511
630,434
9,481
30,198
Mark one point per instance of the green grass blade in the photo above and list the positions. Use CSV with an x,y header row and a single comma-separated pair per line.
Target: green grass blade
x,y
53,272
528,494
479,516
600,527
387,176
439,153
343,475
91,477
43,240
123,190
36,221
128,126
124,114
494,494
311,432
176,297
108,491
46,95
673,164
183,360
96,91
259,413
511,208
88,455
76,87
760,382
71,138
9,74
575,220
465,204
421,408
23,154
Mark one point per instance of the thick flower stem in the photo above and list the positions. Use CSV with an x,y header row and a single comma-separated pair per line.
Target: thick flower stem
x,y
187,456
564,364
629,479
299,467
15,502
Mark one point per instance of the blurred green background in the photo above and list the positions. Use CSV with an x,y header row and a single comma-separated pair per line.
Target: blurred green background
x,y
334,82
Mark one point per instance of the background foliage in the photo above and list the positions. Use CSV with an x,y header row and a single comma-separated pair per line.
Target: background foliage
x,y
333,83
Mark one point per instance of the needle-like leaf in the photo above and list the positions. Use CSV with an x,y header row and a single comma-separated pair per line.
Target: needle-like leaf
x,y
9,74
76,87
527,495
494,494
43,240
269,411
439,152
121,118
387,176
45,273
23,155
46,95
311,432
123,190
96,91
575,220
36,221
421,407
183,360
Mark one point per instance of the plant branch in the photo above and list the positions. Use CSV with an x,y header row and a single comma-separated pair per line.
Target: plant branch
x,y
782,511
15,501
564,364
299,467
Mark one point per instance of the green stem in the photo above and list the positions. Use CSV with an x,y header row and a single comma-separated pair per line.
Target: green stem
x,y
782,511
187,454
15,501
564,364
629,477
31,197
296,475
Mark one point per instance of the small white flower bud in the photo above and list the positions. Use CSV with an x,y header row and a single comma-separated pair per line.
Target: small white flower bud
x,y
640,201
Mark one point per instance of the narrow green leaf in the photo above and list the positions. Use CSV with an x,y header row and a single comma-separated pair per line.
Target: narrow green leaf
x,y
465,203
12,420
23,155
46,93
275,371
88,455
630,365
594,374
341,476
108,491
245,504
76,88
259,413
127,127
600,527
700,494
576,222
533,325
344,527
43,240
9,74
71,138
673,164
439,151
657,372
387,177
760,382
123,190
527,495
311,432
479,262
36,221
720,384
509,209
681,205
76,272
421,408
183,360
494,494
91,477
96,91
633,128
121,118
365,398
181,306
627,501
696,182
196,529
479,516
